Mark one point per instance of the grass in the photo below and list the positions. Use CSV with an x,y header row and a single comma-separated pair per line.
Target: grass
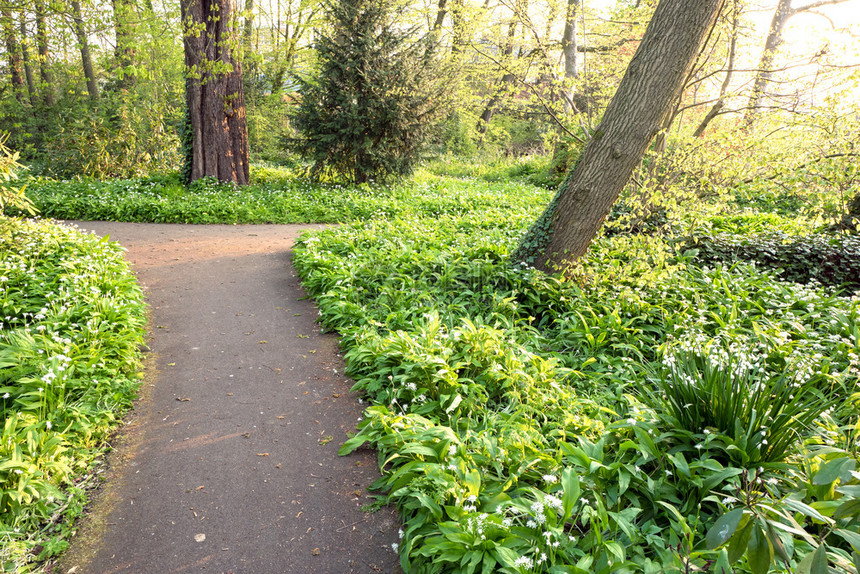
x,y
531,425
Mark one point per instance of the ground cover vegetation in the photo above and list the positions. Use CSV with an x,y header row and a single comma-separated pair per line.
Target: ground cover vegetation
x,y
683,399
72,323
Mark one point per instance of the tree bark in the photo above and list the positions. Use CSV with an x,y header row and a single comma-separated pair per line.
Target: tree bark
x,y
568,48
84,45
28,68
649,88
13,51
124,53
47,78
216,101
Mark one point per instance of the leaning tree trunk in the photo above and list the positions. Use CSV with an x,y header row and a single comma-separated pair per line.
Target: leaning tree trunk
x,y
765,66
650,86
216,102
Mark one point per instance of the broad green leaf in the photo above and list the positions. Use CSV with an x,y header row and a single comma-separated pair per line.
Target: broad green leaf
x,y
847,508
832,470
724,528
849,536
759,551
722,565
819,561
570,484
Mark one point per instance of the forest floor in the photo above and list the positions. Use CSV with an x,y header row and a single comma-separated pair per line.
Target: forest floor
x,y
229,461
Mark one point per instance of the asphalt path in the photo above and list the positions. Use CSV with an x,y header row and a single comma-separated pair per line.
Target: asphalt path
x,y
228,463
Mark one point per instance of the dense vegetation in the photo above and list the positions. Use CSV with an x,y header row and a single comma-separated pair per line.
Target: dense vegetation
x,y
71,325
684,399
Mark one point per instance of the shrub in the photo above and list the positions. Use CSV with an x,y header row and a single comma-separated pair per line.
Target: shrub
x,y
828,259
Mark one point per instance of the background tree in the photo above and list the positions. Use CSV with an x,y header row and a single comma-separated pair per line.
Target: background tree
x,y
214,95
651,84
367,113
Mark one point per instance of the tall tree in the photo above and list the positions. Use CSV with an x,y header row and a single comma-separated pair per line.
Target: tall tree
x,y
214,94
47,78
84,47
368,113
28,67
650,86
783,13
16,68
124,52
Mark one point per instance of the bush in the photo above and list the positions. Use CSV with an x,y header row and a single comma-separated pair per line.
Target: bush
x,y
828,259
368,113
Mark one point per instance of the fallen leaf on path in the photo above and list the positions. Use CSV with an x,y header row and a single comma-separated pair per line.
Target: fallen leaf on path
x,y
262,454
199,537
183,399
315,551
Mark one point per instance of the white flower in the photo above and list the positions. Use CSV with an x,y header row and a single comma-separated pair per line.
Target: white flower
x,y
452,450
550,479
395,547
523,562
6,395
471,498
531,524
49,425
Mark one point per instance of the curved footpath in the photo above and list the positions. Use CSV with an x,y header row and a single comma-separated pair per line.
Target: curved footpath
x,y
229,462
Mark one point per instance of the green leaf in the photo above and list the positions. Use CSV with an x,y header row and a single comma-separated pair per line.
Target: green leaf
x,y
819,561
723,528
849,536
759,551
832,470
739,543
722,565
570,484
847,508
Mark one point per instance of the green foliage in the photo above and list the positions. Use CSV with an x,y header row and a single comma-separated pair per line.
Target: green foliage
x,y
122,137
11,198
376,94
509,432
826,259
71,326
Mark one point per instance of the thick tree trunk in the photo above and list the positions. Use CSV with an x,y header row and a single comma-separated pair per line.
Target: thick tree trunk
x,y
645,96
84,45
216,101
28,68
47,78
16,68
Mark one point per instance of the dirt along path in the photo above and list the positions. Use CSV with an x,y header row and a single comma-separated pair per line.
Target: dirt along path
x,y
229,463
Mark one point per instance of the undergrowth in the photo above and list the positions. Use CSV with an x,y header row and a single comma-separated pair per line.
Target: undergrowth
x,y
71,325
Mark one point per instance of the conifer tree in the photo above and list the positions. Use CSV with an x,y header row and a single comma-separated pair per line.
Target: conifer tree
x,y
366,114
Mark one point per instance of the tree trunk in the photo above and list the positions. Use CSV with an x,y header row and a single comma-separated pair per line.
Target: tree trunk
x,y
14,53
47,78
730,68
507,80
765,66
124,53
568,48
84,44
649,88
28,68
216,102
